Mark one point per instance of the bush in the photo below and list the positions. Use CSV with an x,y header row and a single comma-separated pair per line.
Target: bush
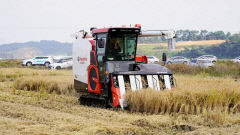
x,y
10,63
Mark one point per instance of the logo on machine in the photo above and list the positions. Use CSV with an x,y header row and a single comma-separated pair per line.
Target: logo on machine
x,y
81,60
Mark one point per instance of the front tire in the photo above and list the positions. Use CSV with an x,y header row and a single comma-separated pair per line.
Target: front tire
x,y
29,64
169,63
58,67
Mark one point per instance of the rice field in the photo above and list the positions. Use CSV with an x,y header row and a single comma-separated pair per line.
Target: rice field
x,y
39,101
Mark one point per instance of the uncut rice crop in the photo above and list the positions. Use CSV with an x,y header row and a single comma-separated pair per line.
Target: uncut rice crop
x,y
190,97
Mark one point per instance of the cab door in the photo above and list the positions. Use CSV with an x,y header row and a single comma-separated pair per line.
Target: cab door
x,y
100,51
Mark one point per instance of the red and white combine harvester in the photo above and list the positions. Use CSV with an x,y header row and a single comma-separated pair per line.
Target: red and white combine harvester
x,y
105,61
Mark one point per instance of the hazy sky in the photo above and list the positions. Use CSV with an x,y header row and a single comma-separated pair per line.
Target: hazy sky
x,y
27,20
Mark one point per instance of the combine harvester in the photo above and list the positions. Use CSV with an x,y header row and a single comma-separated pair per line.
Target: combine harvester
x,y
105,62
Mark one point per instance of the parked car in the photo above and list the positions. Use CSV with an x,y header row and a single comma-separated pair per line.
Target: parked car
x,y
61,64
178,60
44,61
202,63
236,60
205,63
152,59
208,57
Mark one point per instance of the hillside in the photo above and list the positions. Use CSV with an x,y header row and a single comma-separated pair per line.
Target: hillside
x,y
30,49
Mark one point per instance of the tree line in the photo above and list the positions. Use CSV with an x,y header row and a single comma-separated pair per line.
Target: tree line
x,y
195,35
228,49
190,35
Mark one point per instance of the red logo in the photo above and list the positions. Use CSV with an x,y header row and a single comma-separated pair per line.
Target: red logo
x,y
81,60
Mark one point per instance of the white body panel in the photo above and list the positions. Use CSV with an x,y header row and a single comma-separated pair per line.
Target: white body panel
x,y
81,59
167,82
156,82
138,82
133,82
122,90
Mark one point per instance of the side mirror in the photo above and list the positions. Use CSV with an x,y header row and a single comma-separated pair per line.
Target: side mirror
x,y
101,43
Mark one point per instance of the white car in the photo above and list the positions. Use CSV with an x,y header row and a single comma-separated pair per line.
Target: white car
x,y
177,60
236,60
152,59
61,64
44,61
202,63
208,57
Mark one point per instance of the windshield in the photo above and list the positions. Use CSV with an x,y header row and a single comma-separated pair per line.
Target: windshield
x,y
121,47
194,61
59,61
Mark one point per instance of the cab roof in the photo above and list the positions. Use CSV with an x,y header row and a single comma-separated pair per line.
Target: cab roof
x,y
105,30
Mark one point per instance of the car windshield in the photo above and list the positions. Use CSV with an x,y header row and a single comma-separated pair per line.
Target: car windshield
x,y
209,56
121,47
194,61
59,61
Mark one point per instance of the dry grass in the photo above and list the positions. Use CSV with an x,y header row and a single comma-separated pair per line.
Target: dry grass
x,y
36,112
49,84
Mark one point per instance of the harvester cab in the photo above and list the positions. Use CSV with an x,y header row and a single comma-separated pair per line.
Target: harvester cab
x,y
105,66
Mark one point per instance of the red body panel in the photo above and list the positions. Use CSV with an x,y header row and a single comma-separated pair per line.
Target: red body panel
x,y
141,60
103,30
98,87
116,95
95,57
92,43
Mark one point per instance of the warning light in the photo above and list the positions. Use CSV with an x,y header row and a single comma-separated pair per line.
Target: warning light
x,y
138,25
124,26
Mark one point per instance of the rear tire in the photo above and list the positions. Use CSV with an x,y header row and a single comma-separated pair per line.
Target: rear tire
x,y
29,64
169,63
46,64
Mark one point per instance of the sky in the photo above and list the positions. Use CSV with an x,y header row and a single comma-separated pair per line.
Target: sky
x,y
35,20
